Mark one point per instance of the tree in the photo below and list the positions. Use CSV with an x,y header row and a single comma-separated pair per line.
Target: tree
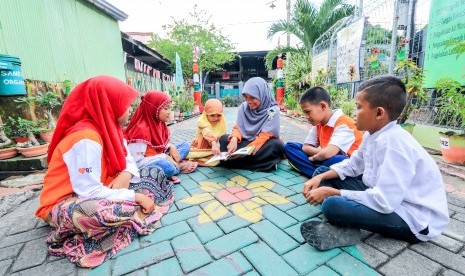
x,y
308,23
215,49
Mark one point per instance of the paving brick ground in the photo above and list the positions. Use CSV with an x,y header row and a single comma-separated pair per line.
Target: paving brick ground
x,y
256,232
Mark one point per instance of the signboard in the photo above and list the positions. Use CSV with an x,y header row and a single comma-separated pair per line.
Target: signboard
x,y
446,22
319,62
349,42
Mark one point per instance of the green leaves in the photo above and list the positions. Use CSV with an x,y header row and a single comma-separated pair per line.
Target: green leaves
x,y
214,48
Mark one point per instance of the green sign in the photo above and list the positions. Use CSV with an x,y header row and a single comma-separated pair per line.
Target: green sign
x,y
446,22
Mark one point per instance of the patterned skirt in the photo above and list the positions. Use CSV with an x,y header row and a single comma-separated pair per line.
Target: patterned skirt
x,y
90,231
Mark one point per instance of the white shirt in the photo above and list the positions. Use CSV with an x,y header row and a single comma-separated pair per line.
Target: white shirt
x,y
343,137
138,150
84,162
401,177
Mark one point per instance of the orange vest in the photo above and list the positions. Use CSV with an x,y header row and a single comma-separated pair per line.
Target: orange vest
x,y
57,184
325,132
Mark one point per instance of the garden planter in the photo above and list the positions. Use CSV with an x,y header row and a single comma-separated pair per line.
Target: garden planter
x,y
452,147
19,139
408,127
8,153
177,115
46,136
34,151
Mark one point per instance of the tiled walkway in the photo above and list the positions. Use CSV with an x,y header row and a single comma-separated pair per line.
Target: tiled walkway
x,y
236,222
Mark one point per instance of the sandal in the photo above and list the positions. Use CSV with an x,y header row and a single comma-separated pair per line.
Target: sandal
x,y
175,179
188,166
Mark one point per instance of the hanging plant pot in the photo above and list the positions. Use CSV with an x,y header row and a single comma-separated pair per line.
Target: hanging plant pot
x,y
8,153
408,127
452,147
46,136
34,151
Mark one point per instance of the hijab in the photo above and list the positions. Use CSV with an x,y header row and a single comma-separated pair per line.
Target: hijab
x,y
145,125
263,119
212,106
96,104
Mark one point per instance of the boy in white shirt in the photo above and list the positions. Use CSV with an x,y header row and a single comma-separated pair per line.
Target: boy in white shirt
x,y
401,193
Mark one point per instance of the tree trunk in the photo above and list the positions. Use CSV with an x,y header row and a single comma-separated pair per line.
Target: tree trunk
x,y
32,139
51,121
3,139
403,115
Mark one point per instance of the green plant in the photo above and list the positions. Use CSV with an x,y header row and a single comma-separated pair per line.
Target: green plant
x,y
67,87
47,101
457,46
348,107
28,101
30,127
413,77
452,100
338,96
204,97
290,102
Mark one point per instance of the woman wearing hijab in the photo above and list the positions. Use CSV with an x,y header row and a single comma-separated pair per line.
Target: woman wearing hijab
x,y
210,127
94,197
149,137
257,125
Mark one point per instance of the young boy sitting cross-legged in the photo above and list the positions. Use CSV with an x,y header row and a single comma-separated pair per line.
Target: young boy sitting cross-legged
x,y
332,138
401,194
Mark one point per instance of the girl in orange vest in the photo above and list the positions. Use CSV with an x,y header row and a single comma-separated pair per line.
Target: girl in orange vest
x,y
94,197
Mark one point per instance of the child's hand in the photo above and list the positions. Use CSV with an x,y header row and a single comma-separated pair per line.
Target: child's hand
x,y
311,185
232,146
215,148
316,196
121,181
175,154
146,204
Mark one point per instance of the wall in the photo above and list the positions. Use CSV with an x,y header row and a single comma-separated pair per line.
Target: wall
x,y
59,40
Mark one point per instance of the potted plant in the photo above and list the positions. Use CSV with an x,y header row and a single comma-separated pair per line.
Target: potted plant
x,y
452,102
7,147
32,147
47,102
413,78
17,132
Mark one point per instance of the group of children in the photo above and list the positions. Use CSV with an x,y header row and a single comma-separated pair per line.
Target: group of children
x,y
105,186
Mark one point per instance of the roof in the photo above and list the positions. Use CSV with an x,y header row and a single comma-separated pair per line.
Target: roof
x,y
143,53
109,9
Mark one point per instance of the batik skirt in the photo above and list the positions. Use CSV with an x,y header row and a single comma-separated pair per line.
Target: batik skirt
x,y
90,231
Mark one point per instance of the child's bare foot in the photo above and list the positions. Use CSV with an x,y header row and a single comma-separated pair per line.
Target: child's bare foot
x,y
175,179
188,166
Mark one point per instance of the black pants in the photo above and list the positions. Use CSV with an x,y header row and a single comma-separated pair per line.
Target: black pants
x,y
264,160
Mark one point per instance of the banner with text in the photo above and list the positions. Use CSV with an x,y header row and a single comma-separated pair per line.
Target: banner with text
x,y
446,22
349,41
319,63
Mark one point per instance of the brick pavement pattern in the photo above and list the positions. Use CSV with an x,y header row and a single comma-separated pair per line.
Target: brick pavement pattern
x,y
237,222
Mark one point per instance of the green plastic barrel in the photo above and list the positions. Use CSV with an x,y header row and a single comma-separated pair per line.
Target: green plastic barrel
x,y
11,79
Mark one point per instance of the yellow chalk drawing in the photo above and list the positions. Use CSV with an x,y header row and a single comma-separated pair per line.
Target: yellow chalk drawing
x,y
244,199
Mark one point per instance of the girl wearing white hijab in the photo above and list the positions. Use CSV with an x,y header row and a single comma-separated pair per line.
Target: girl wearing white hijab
x,y
257,125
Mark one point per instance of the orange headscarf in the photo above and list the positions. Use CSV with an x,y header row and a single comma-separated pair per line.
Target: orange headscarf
x,y
96,104
145,125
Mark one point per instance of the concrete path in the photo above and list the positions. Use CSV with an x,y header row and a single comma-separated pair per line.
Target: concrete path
x,y
236,222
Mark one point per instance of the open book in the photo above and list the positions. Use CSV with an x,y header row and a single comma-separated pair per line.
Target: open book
x,y
237,154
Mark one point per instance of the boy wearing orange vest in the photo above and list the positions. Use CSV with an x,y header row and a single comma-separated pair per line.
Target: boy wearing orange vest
x,y
332,138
